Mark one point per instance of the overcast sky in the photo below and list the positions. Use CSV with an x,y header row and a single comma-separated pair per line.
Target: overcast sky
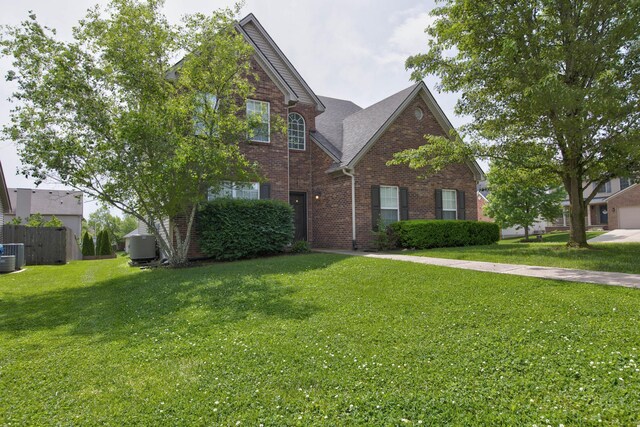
x,y
349,49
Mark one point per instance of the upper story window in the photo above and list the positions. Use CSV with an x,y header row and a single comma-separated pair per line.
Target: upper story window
x,y
296,132
259,111
207,104
449,204
605,188
237,190
624,183
389,204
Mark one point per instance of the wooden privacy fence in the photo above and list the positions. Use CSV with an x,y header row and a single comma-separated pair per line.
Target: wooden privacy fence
x,y
43,245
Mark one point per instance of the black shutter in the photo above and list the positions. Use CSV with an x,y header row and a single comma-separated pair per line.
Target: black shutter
x,y
265,191
375,206
460,195
438,204
404,203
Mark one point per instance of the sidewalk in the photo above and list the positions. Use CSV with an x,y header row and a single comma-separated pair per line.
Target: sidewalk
x,y
555,273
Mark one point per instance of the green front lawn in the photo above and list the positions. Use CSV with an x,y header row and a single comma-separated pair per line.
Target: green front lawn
x,y
313,339
552,252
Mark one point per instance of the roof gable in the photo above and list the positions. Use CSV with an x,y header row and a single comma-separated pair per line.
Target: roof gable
x,y
363,127
279,66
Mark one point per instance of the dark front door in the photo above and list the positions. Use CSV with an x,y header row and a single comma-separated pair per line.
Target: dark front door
x,y
604,215
299,203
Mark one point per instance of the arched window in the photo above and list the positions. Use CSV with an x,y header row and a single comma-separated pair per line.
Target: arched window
x,y
296,132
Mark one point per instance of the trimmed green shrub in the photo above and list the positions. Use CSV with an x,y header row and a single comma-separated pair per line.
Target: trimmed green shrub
x,y
88,248
300,247
104,243
54,222
384,238
425,234
231,229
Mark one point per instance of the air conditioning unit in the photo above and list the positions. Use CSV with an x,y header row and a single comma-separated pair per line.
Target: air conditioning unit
x,y
16,249
142,247
7,263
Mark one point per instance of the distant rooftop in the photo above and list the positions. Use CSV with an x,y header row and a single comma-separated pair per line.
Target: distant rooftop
x,y
51,202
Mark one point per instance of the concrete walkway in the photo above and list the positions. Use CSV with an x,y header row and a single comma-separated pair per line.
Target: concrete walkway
x,y
617,236
568,274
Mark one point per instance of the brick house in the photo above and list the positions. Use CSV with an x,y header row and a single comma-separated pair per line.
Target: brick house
x,y
331,165
615,205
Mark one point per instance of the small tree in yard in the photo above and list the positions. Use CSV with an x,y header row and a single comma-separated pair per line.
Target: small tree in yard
x,y
551,86
109,114
54,222
519,197
103,245
88,247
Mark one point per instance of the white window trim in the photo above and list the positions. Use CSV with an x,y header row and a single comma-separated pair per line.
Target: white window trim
x,y
234,190
455,199
397,208
304,132
268,121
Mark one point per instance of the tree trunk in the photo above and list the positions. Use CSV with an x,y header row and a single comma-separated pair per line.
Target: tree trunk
x,y
526,233
578,229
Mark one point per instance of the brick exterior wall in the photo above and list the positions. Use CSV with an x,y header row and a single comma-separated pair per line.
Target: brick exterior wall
x,y
300,163
407,132
630,197
332,210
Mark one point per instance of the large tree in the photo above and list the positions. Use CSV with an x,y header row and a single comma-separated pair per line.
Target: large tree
x,y
519,197
103,219
111,114
550,85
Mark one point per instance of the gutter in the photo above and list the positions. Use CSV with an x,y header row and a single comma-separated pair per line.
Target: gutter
x,y
354,245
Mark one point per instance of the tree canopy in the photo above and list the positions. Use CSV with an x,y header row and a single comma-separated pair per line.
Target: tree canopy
x,y
518,197
550,85
112,114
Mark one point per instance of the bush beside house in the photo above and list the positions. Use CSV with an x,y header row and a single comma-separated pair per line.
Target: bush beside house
x,y
88,247
231,229
425,234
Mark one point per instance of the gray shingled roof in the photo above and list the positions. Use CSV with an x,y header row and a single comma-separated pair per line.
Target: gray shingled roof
x,y
349,128
329,123
258,36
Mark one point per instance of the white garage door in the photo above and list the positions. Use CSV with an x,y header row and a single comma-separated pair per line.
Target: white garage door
x,y
630,217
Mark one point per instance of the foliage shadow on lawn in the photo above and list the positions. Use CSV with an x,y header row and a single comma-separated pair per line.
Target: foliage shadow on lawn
x,y
114,309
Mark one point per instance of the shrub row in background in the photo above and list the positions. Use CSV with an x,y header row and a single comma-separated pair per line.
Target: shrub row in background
x,y
231,229
425,234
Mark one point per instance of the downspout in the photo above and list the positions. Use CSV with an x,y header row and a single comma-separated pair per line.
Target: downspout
x,y
354,246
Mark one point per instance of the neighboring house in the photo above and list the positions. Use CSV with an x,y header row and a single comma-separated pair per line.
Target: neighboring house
x,y
5,201
66,205
616,205
331,164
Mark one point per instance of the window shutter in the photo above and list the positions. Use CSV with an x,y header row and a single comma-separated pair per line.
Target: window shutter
x,y
404,203
461,214
265,191
375,206
438,204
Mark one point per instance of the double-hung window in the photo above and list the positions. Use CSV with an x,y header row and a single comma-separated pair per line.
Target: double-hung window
x,y
449,204
624,183
389,206
258,112
237,190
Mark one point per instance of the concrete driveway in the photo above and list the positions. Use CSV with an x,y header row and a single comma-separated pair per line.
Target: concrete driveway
x,y
618,236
